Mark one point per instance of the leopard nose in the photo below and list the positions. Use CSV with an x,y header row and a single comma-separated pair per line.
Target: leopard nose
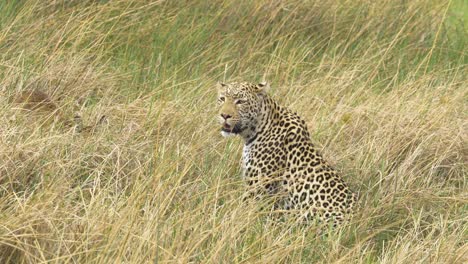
x,y
226,116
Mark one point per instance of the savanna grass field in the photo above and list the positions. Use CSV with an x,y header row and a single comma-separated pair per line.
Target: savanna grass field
x,y
382,86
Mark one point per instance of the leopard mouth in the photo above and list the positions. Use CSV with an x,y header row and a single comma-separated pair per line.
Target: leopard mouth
x,y
231,129
226,127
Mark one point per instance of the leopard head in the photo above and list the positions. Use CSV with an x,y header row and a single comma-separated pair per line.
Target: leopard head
x,y
239,106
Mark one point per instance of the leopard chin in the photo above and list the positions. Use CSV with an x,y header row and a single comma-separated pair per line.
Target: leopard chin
x,y
227,134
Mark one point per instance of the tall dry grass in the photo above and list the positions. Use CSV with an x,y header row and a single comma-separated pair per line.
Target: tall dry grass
x,y
382,85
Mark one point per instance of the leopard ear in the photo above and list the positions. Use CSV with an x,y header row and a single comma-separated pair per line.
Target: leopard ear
x,y
220,86
263,87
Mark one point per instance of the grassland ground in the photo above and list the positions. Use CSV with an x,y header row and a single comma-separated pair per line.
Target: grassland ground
x,y
382,85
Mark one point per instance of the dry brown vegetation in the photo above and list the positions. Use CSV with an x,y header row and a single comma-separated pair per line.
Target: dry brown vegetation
x,y
382,85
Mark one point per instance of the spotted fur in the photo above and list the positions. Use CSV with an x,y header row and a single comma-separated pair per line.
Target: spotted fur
x,y
279,158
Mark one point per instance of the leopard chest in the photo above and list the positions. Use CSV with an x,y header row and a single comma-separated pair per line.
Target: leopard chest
x,y
245,159
262,158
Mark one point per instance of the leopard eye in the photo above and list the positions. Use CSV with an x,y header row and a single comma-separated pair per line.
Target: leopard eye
x,y
238,102
222,99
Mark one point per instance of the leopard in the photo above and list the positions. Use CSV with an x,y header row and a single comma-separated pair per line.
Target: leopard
x,y
279,159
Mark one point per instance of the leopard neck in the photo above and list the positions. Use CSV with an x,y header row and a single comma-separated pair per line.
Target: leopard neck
x,y
268,111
